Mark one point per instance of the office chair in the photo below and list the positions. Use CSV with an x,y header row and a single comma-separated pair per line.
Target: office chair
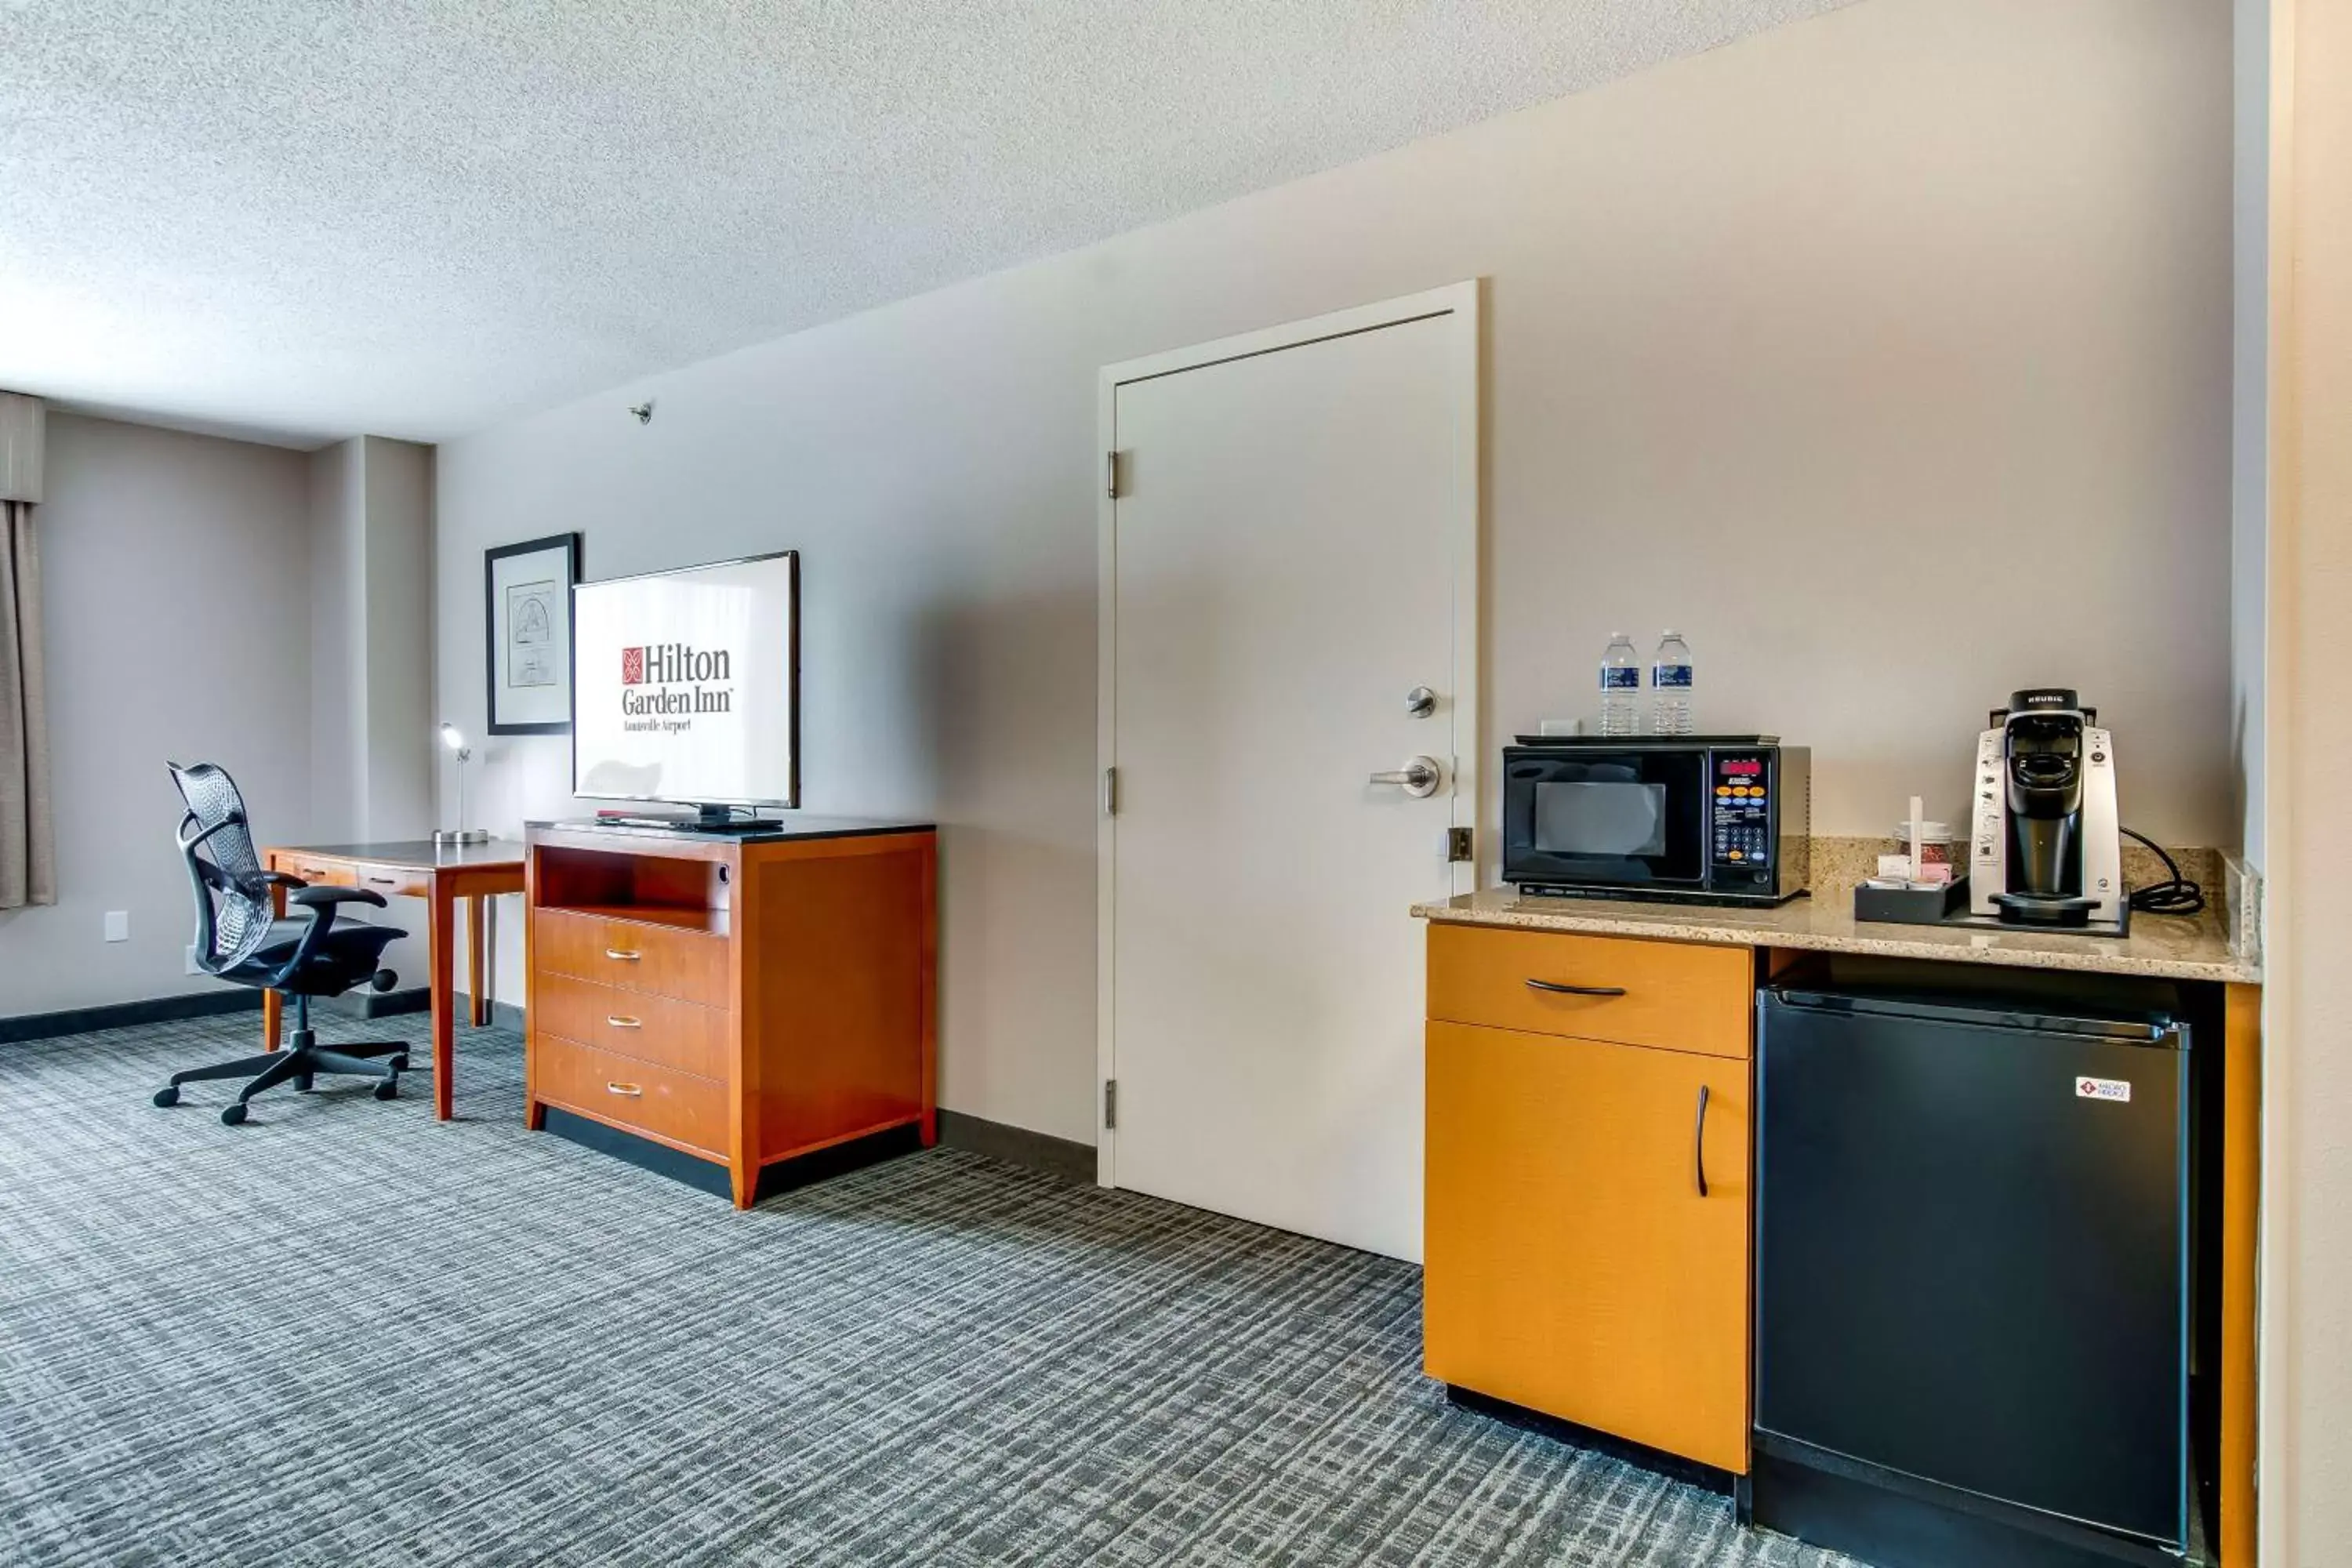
x,y
239,939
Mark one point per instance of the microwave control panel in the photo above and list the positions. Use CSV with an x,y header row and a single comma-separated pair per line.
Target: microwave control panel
x,y
1739,811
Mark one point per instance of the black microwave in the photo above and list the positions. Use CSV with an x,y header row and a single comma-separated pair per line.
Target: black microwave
x,y
1702,820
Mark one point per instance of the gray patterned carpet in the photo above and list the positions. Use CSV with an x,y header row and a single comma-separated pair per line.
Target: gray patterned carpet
x,y
342,1334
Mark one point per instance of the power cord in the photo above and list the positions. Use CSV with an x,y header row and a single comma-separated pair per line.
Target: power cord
x,y
2175,896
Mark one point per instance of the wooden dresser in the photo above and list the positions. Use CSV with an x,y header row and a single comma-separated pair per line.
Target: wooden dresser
x,y
742,1000
1587,1157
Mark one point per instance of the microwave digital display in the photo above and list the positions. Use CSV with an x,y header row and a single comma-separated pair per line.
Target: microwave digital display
x,y
1742,767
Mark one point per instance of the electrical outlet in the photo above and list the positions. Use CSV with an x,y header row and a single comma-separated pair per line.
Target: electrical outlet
x,y
118,925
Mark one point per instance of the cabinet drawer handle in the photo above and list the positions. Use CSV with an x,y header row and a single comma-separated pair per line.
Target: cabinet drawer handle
x,y
630,1091
1555,987
384,881
624,954
618,1022
1698,1142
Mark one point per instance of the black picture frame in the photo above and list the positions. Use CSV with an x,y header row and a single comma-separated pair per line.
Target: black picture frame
x,y
564,551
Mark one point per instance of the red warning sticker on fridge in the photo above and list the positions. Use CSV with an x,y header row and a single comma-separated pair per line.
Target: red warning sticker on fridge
x,y
2102,1088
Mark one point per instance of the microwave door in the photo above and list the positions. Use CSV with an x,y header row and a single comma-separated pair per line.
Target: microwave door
x,y
1628,819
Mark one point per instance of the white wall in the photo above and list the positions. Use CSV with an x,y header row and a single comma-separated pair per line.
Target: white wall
x,y
397,493
2250,261
338,632
1886,355
2307,1473
176,576
372,747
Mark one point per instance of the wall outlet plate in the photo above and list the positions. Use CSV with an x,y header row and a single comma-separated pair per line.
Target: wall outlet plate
x,y
118,925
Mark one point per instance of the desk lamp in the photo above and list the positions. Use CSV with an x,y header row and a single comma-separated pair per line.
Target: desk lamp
x,y
455,739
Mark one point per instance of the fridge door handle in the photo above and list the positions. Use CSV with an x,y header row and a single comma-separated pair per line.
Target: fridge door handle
x,y
1698,1144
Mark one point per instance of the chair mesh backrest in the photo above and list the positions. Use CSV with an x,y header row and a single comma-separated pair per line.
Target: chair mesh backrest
x,y
233,893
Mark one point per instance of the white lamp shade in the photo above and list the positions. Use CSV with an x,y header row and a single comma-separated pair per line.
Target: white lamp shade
x,y
23,425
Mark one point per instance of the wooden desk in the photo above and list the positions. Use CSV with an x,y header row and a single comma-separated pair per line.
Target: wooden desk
x,y
441,876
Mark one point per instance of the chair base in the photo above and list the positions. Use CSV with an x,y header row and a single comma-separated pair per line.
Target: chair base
x,y
301,1061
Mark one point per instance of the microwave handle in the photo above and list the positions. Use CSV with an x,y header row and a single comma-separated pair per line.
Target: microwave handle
x,y
1556,989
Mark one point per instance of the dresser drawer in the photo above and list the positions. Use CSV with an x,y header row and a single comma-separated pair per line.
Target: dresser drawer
x,y
1682,996
636,955
643,1097
660,1030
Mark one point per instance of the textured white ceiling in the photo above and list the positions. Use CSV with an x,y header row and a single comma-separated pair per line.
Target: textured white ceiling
x,y
302,220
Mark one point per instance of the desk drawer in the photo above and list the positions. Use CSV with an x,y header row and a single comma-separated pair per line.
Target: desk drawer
x,y
639,1023
641,1096
1682,996
391,882
318,873
690,965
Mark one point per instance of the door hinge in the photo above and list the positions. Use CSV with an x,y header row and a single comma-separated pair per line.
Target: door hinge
x,y
1110,475
1110,1104
1110,791
1457,845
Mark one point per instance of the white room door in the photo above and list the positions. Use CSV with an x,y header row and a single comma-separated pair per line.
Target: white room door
x,y
1290,558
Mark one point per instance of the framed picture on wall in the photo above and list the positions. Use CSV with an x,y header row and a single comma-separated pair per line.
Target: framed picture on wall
x,y
527,588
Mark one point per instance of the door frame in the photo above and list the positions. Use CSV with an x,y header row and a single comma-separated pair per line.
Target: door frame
x,y
1460,304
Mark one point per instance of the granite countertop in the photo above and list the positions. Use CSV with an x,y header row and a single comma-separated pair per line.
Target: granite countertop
x,y
2168,947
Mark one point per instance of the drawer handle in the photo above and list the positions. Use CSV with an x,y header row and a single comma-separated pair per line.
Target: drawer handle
x,y
618,1022
630,1091
623,953
1555,988
1698,1142
384,881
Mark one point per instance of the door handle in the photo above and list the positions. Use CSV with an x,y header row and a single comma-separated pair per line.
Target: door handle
x,y
1555,988
1420,776
1698,1142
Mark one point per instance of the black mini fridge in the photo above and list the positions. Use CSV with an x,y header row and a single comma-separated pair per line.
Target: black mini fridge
x,y
1972,1255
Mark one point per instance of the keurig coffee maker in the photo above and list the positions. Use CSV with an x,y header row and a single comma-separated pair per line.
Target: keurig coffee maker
x,y
2047,850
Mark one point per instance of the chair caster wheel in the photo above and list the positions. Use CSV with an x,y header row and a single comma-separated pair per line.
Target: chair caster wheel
x,y
302,1085
169,1095
399,1063
232,1114
388,1089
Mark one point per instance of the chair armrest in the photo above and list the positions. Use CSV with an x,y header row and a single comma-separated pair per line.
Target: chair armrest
x,y
321,903
321,897
281,879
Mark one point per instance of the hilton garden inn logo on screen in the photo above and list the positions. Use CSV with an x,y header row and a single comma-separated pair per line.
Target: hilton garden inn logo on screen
x,y
688,679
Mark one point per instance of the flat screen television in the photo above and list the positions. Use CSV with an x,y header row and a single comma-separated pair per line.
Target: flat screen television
x,y
686,686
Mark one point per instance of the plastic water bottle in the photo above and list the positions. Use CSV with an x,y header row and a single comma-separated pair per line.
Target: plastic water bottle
x,y
1671,687
1621,686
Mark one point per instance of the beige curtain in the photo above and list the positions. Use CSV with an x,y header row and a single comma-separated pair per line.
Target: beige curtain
x,y
28,869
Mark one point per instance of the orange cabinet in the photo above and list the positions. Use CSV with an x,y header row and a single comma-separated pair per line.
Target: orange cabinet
x,y
1587,1241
